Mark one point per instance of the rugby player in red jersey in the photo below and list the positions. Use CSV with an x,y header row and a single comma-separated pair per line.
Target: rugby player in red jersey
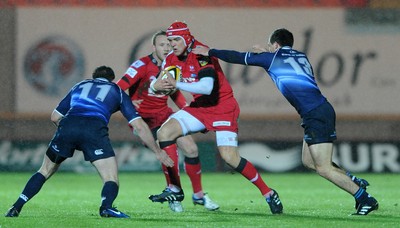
x,y
155,111
214,108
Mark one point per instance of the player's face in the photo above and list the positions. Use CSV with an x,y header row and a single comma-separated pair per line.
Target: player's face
x,y
161,47
178,45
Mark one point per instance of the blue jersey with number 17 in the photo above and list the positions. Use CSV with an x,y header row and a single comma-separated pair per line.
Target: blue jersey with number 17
x,y
97,98
289,69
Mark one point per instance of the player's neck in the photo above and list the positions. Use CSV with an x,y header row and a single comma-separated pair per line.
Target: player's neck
x,y
159,61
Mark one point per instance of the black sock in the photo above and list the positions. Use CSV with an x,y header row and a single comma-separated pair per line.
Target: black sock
x,y
32,187
109,194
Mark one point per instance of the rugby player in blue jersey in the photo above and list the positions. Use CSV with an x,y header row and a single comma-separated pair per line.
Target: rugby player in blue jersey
x,y
292,73
82,118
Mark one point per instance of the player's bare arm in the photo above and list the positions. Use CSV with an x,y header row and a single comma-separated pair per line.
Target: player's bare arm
x,y
56,117
146,136
137,103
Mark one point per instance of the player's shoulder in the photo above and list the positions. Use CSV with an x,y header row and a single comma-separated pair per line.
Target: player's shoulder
x,y
142,62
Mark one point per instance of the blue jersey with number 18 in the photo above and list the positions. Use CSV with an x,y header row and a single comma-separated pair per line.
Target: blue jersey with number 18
x,y
97,98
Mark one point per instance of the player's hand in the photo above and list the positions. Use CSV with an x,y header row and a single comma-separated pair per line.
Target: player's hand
x,y
137,103
258,48
161,85
201,50
163,157
171,80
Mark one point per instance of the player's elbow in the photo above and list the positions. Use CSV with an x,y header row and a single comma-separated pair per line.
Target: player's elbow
x,y
139,125
207,90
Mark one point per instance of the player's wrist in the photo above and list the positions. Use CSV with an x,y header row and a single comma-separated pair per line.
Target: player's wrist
x,y
152,86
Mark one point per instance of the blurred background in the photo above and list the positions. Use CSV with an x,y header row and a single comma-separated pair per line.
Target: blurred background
x,y
47,46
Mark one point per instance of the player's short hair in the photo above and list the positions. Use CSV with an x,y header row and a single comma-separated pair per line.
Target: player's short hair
x,y
104,72
157,34
283,37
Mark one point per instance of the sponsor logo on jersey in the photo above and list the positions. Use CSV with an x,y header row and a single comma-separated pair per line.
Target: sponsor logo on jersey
x,y
53,65
131,72
98,152
221,123
203,63
138,63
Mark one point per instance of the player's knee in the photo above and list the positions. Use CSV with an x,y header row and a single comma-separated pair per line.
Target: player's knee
x,y
232,158
166,134
308,164
323,171
191,150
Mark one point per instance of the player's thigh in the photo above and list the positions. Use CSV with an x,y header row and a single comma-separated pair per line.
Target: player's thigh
x,y
321,154
306,156
107,169
187,123
188,146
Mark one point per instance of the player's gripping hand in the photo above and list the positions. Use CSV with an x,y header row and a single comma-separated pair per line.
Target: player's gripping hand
x,y
258,48
201,50
160,85
137,103
163,157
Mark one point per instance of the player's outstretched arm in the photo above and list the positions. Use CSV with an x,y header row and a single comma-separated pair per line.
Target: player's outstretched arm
x,y
201,50
146,136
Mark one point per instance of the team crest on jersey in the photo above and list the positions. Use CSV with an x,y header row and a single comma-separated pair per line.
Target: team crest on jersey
x,y
131,72
138,63
203,63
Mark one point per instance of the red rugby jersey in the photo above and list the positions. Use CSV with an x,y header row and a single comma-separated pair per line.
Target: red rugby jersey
x,y
137,79
190,68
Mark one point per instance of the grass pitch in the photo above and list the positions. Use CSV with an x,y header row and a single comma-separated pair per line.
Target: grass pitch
x,y
73,199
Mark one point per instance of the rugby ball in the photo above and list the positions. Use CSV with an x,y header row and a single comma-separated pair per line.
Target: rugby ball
x,y
175,72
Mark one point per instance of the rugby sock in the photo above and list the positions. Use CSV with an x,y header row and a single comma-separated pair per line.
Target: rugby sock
x,y
32,187
109,194
193,170
361,196
173,172
165,171
249,171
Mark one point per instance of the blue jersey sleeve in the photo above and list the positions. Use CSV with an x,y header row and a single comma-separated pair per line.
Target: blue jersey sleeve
x,y
228,56
64,104
289,69
127,108
263,60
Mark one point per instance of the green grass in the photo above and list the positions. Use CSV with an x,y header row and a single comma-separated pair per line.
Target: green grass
x,y
72,200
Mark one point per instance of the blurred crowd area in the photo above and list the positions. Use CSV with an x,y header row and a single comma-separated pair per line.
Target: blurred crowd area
x,y
204,3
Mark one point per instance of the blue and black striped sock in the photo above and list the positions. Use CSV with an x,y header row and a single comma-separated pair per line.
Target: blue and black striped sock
x,y
361,195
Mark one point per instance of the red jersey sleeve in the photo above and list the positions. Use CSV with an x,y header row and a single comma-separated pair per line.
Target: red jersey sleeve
x,y
132,75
